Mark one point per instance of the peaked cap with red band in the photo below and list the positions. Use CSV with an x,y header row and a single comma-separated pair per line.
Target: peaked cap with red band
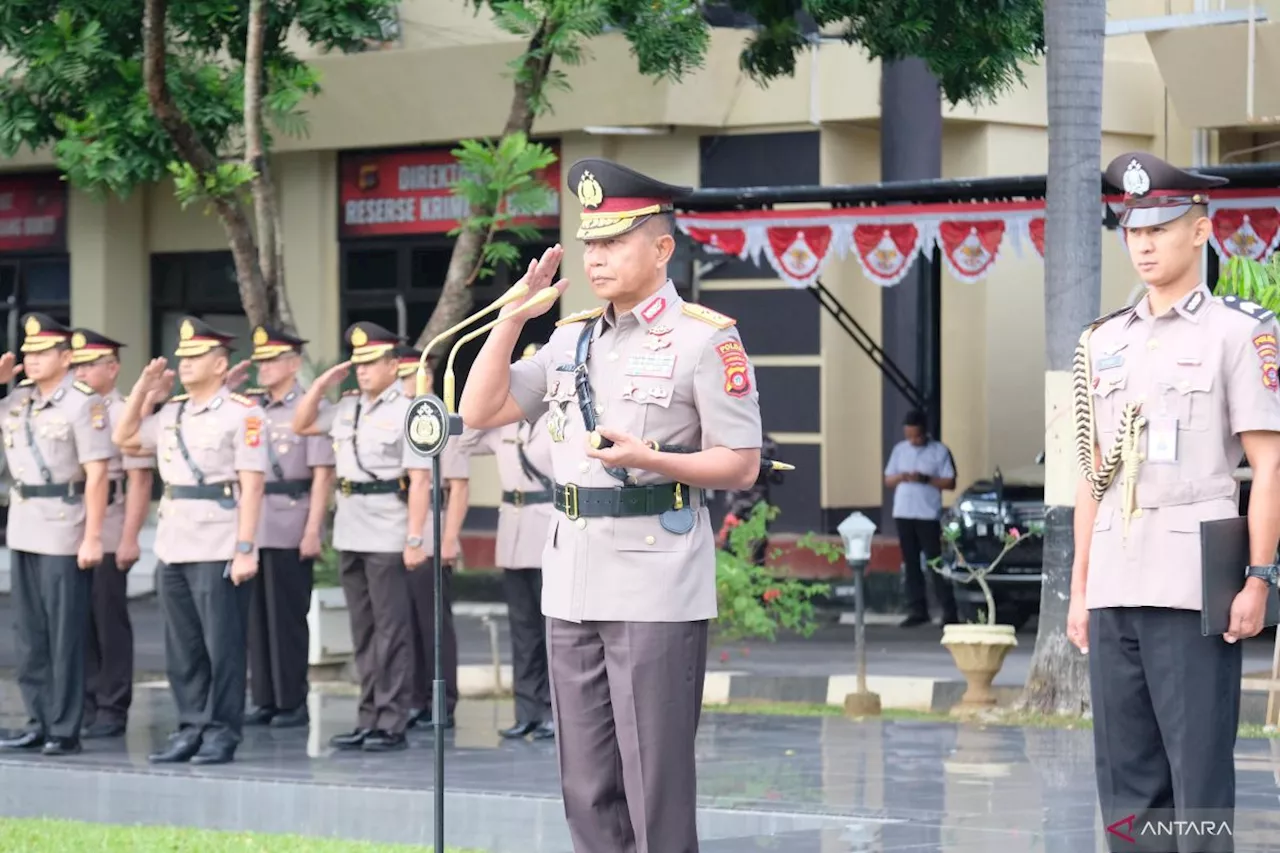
x,y
1154,191
42,332
370,342
408,357
87,346
196,338
270,342
616,199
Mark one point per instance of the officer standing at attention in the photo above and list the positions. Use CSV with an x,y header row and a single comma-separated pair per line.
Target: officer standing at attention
x,y
1182,383
299,481
523,455
629,562
57,447
208,443
109,655
383,495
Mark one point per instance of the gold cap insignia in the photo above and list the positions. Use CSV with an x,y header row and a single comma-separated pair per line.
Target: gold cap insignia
x,y
359,337
188,331
32,326
260,336
78,341
590,193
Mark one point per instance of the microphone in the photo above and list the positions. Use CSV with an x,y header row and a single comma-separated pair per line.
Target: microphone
x,y
543,297
516,291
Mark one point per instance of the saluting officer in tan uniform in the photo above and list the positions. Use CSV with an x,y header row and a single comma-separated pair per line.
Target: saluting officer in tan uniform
x,y
522,451
109,655
57,446
383,492
299,481
628,568
422,584
209,448
1181,384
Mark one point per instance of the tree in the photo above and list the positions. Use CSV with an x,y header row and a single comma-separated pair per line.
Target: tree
x,y
127,91
1075,32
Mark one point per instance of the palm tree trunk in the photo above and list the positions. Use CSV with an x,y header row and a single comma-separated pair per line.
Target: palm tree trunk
x,y
1074,38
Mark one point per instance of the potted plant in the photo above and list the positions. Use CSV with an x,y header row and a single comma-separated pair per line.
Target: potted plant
x,y
978,649
328,622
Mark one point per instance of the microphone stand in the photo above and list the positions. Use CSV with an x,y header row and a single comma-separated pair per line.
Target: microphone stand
x,y
428,426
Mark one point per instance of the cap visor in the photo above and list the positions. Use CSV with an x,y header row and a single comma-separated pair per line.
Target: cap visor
x,y
1147,217
87,356
194,350
367,354
39,344
597,228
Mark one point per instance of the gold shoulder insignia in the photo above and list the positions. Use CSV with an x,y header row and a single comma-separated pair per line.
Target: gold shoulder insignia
x,y
706,315
83,387
1252,309
178,398
254,392
243,400
24,383
581,316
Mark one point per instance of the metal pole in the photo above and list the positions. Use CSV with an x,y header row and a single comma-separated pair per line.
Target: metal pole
x,y
437,688
860,635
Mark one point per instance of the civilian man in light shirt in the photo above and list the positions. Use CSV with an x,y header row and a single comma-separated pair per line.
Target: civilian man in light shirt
x,y
919,469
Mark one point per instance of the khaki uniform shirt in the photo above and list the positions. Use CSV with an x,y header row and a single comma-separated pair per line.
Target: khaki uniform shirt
x,y
522,529
1204,372
666,371
224,437
69,428
371,524
117,468
289,457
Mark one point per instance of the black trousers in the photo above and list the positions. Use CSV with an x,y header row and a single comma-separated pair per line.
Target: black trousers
x,y
278,632
422,590
916,535
381,612
1166,707
109,649
51,598
530,682
205,622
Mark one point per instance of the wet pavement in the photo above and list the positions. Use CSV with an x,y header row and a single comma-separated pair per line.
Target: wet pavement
x,y
801,785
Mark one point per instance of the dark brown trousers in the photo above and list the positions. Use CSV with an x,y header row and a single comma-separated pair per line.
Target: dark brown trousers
x,y
627,699
378,601
278,633
108,662
422,587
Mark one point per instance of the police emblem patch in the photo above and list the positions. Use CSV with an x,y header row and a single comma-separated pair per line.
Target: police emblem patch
x,y
252,432
1136,179
737,382
1266,347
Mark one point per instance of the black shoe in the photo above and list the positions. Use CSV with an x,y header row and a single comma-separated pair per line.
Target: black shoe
x,y
214,754
913,620
182,747
61,746
297,718
104,729
26,740
351,740
380,741
519,730
260,716
546,730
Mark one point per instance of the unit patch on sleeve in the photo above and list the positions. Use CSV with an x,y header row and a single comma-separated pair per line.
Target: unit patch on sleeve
x,y
737,383
252,431
1265,345
98,416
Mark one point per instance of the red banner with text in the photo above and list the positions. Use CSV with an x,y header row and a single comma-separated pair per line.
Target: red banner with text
x,y
384,194
33,213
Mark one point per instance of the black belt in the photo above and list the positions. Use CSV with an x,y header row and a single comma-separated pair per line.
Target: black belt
x,y
518,498
621,502
373,487
207,492
50,490
292,488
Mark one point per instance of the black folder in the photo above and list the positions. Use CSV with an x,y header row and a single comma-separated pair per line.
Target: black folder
x,y
1224,554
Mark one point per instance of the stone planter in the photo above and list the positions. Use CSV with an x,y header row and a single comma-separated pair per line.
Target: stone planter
x,y
330,628
979,652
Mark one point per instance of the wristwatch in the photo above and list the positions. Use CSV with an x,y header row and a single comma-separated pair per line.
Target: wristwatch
x,y
244,547
1270,574
414,541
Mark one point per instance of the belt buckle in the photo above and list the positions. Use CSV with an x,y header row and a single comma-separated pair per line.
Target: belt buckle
x,y
571,502
344,486
168,492
517,498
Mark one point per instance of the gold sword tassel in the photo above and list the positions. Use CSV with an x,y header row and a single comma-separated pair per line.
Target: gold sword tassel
x,y
1132,459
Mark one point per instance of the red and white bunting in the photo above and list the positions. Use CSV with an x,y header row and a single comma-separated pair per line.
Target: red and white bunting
x,y
799,244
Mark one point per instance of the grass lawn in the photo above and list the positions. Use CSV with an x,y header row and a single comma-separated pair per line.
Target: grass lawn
x,y
63,836
995,717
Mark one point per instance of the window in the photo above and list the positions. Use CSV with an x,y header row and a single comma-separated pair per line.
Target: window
x,y
200,284
32,284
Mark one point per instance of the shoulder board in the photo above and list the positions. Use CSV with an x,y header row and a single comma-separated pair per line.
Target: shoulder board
x,y
580,316
254,392
1120,312
83,387
706,315
178,398
243,400
1252,309
353,392
26,382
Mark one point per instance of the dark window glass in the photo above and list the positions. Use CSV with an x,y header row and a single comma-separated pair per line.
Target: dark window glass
x,y
213,281
8,281
166,279
373,269
430,267
48,282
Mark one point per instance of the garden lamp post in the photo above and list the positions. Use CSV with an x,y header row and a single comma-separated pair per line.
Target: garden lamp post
x,y
856,531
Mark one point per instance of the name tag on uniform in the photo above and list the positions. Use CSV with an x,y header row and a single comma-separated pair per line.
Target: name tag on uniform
x,y
1162,440
1110,361
652,365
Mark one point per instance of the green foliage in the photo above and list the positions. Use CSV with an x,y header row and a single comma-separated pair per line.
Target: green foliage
x,y
954,555
1252,280
752,601
76,81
